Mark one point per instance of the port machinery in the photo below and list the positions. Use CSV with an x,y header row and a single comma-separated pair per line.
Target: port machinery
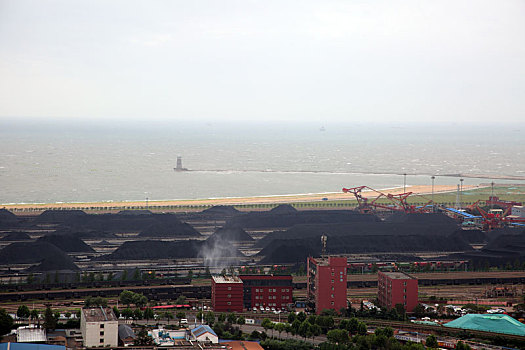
x,y
398,201
494,218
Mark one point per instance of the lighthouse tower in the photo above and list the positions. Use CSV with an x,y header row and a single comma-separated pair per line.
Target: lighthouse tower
x,y
179,165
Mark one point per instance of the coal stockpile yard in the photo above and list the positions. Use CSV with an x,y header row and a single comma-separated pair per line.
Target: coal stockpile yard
x,y
223,236
41,254
66,242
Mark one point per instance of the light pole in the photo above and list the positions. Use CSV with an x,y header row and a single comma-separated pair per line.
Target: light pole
x,y
433,204
492,195
461,193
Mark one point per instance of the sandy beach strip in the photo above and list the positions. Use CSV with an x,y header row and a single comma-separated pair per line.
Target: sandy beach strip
x,y
276,199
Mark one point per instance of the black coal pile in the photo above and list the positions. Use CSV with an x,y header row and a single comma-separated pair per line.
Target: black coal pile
x,y
135,212
422,218
283,209
67,243
472,236
16,236
221,210
150,249
261,220
512,241
283,251
160,229
122,222
8,219
36,252
298,249
53,265
358,229
59,216
83,233
230,234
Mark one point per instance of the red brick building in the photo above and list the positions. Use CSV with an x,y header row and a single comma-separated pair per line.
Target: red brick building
x,y
267,291
397,288
326,285
226,294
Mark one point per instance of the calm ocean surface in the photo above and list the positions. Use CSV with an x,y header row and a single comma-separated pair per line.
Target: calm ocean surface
x,y
47,163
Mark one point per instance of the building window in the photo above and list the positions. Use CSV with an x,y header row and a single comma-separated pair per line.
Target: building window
x,y
332,303
332,281
101,340
404,283
257,290
229,295
332,273
332,295
229,303
101,333
229,288
102,325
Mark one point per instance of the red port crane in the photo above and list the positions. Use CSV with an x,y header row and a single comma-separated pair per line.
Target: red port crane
x,y
399,201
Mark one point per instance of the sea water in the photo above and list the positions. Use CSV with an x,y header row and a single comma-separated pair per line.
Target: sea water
x,y
48,162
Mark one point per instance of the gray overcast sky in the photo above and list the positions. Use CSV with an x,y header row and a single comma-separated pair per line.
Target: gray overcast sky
x,y
319,61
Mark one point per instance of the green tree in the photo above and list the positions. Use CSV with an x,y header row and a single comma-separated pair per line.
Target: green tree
x,y
6,323
138,314
140,300
127,297
431,342
181,300
136,274
30,279
127,313
361,328
168,315
50,321
209,318
143,338
241,320
148,314
190,274
280,327
116,311
35,315
124,275
419,310
462,346
23,311
338,336
301,316
232,318
267,324
291,317
221,318
304,329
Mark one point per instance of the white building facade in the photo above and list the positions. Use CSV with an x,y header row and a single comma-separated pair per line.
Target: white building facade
x,y
99,327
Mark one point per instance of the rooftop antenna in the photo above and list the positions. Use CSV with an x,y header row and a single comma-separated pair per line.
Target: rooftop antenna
x,y
323,242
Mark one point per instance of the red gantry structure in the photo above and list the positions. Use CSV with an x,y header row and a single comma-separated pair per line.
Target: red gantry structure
x,y
399,201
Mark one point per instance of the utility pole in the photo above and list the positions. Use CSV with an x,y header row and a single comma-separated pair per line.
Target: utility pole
x,y
404,183
433,204
492,195
461,193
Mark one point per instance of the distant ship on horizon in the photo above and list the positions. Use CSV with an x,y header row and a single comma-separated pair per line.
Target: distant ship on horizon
x,y
179,165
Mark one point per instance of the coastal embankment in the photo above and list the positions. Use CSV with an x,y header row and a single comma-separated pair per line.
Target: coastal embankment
x,y
242,201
